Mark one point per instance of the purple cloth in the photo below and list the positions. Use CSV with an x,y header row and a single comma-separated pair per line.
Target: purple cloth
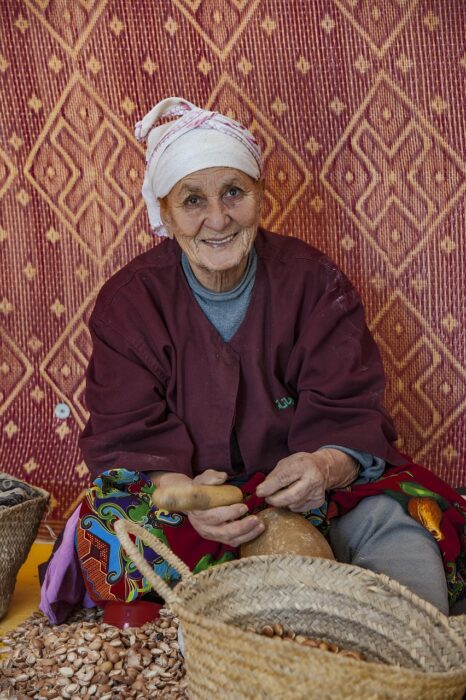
x,y
63,586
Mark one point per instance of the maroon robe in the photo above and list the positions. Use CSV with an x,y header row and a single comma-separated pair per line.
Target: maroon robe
x,y
165,391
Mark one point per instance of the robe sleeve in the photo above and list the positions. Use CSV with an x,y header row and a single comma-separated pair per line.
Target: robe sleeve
x,y
129,425
337,374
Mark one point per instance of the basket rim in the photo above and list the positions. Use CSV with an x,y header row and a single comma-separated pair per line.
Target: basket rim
x,y
226,628
42,498
186,589
371,577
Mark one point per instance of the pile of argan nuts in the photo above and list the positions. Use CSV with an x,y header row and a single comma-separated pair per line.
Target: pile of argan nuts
x,y
86,660
277,631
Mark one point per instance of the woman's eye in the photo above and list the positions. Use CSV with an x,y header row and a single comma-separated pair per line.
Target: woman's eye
x,y
233,192
192,200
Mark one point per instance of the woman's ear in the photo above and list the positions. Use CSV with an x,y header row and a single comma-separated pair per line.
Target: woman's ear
x,y
165,215
260,185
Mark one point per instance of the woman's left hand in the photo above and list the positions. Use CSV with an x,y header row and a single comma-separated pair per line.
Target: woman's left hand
x,y
227,524
299,482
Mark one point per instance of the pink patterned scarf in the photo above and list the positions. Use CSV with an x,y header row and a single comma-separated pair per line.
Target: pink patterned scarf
x,y
198,139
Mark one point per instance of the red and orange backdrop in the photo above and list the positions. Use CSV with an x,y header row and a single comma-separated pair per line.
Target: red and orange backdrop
x,y
359,108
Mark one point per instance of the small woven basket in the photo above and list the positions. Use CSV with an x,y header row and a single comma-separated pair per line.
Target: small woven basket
x,y
411,649
18,529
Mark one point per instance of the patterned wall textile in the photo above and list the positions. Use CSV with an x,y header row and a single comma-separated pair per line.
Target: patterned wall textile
x,y
359,108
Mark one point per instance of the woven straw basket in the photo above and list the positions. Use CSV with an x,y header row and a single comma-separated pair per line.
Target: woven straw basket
x,y
412,650
18,530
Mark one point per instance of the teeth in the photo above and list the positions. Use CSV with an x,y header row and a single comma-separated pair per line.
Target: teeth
x,y
216,242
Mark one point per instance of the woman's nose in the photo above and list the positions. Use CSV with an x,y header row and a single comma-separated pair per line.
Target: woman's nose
x,y
217,218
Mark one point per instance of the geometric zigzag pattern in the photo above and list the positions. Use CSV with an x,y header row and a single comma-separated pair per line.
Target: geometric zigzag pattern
x,y
358,106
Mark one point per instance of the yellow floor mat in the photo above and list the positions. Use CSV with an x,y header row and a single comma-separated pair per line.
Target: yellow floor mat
x,y
25,599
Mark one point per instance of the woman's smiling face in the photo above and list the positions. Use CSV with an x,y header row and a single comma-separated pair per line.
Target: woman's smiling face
x,y
214,214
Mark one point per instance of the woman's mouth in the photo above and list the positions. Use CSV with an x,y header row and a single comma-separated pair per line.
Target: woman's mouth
x,y
219,242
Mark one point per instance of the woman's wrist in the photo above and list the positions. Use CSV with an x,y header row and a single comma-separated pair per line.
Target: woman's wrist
x,y
340,468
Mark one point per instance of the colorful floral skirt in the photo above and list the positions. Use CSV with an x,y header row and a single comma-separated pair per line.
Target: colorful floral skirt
x,y
110,575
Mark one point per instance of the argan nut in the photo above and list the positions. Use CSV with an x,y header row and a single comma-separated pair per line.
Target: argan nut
x,y
352,654
311,643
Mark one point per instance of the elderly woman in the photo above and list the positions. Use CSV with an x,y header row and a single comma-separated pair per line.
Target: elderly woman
x,y
228,353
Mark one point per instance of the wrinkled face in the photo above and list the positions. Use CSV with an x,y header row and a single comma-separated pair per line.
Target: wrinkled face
x,y
214,215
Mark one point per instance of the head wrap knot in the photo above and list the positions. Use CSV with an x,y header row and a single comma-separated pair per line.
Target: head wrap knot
x,y
198,139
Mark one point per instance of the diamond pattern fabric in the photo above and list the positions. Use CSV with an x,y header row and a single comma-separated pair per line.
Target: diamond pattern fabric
x,y
358,106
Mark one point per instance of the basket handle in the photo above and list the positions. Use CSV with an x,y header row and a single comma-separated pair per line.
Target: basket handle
x,y
122,529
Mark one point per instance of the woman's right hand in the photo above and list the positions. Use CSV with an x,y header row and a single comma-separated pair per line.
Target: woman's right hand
x,y
224,524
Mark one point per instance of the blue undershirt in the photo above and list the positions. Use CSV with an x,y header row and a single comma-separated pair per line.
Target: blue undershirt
x,y
225,310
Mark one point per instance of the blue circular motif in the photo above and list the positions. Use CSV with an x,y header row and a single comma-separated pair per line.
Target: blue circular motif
x,y
62,411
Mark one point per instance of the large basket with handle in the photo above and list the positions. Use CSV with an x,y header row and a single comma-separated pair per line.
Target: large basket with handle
x,y
18,529
411,649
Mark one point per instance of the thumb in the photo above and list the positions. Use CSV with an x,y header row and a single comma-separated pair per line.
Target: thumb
x,y
211,477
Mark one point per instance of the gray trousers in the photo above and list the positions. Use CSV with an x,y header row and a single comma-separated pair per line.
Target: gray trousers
x,y
379,535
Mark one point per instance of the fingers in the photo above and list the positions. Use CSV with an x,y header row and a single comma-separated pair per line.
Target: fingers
x,y
277,480
211,477
302,495
296,483
220,515
254,532
297,493
231,533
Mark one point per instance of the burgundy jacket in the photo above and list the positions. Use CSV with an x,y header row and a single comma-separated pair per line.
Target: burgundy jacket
x,y
164,391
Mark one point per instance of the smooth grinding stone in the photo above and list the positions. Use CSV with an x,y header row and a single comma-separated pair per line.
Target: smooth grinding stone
x,y
287,533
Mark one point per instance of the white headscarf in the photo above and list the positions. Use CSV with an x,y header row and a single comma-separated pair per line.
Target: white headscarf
x,y
198,139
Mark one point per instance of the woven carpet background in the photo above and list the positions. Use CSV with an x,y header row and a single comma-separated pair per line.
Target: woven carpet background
x,y
359,108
